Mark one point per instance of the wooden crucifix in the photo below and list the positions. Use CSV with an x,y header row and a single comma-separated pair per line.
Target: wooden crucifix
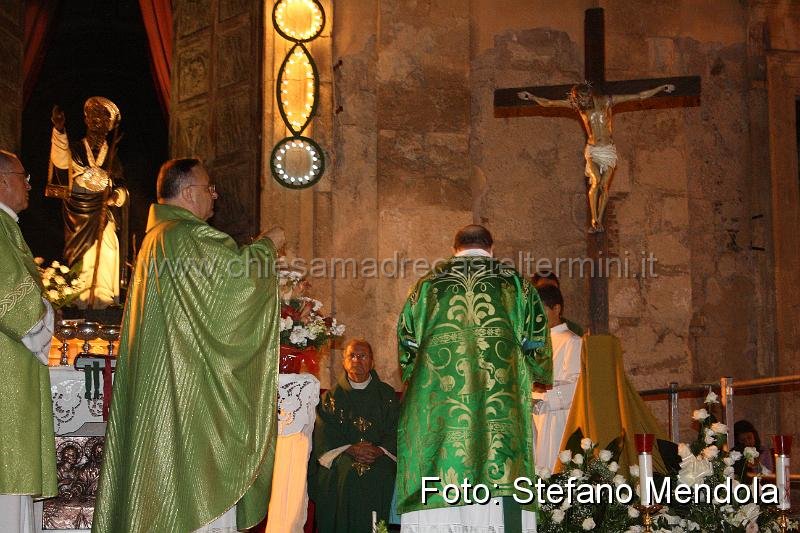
x,y
592,102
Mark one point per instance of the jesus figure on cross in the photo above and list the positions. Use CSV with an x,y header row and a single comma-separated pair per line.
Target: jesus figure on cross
x,y
600,152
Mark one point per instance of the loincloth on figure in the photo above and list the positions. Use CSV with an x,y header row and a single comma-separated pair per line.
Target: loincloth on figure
x,y
602,155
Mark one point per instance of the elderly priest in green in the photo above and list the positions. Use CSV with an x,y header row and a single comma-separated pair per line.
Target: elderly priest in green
x,y
192,431
27,444
472,340
353,462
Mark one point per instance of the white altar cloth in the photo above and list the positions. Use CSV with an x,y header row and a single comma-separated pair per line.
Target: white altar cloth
x,y
288,505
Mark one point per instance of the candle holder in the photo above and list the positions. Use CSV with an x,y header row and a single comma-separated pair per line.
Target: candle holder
x,y
782,444
648,512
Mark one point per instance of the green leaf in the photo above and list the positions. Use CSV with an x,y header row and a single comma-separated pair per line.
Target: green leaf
x,y
616,446
574,442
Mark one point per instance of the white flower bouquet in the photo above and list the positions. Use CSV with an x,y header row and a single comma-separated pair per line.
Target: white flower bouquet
x,y
62,285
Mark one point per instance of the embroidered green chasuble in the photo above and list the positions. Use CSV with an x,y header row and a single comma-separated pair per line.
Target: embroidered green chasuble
x,y
192,429
344,499
472,340
27,444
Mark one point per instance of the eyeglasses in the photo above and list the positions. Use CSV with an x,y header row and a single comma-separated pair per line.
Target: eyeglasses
x,y
357,356
211,188
26,174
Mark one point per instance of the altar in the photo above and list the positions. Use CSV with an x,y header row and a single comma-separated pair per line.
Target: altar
x,y
80,428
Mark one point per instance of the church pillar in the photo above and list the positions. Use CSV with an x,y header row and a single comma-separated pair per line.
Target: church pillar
x,y
10,74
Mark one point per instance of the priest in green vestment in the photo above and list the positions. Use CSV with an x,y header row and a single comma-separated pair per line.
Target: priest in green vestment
x,y
192,431
353,462
27,444
472,340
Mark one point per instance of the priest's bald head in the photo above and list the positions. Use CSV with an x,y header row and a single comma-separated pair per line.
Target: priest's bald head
x,y
14,182
471,237
185,183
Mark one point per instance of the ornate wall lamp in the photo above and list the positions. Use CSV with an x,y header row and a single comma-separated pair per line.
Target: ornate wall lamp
x,y
297,162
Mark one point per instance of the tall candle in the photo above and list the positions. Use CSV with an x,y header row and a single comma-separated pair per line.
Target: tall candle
x,y
783,448
644,446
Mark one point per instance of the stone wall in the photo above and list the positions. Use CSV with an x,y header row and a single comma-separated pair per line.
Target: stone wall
x,y
418,153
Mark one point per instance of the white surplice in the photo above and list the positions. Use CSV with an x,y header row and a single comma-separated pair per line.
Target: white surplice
x,y
550,415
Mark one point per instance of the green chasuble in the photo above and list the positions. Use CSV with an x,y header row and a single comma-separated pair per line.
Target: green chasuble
x,y
192,429
472,340
27,444
344,499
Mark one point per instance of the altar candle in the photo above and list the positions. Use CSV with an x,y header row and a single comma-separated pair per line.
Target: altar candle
x,y
644,446
783,448
374,521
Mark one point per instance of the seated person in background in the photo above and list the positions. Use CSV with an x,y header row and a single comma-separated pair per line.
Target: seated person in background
x,y
353,463
553,405
746,436
549,279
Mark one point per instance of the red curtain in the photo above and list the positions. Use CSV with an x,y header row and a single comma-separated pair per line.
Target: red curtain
x,y
157,17
39,15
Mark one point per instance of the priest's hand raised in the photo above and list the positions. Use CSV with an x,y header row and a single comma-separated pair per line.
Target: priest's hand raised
x,y
364,452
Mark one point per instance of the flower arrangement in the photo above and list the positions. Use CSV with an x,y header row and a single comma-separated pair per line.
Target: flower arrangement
x,y
584,468
304,330
62,285
703,466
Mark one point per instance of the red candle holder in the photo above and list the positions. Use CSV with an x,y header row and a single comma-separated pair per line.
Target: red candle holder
x,y
782,444
644,442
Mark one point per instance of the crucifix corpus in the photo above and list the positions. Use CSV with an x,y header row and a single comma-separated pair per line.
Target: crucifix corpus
x,y
594,101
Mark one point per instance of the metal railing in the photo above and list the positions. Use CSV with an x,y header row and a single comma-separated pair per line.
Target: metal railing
x,y
726,388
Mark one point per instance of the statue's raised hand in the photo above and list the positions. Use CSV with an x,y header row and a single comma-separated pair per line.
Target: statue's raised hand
x,y
57,118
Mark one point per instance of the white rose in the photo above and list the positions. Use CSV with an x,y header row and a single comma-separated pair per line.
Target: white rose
x,y
63,269
619,480
728,461
605,456
38,261
68,291
543,473
635,470
709,440
588,524
727,471
52,294
613,467
719,427
700,415
286,323
577,473
710,452
558,516
578,459
711,398
565,456
684,451
59,280
735,455
633,512
750,453
74,282
55,264
586,444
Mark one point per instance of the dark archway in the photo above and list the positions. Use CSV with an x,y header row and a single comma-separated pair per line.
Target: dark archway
x,y
98,48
